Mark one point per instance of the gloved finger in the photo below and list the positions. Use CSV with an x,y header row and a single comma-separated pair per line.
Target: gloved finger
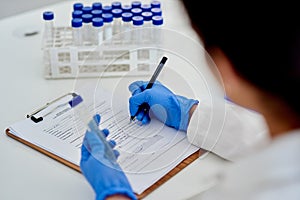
x,y
93,143
97,118
146,119
137,100
85,154
140,116
112,143
117,153
106,132
137,87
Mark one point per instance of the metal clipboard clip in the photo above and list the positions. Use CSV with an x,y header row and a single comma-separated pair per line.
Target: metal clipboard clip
x,y
40,118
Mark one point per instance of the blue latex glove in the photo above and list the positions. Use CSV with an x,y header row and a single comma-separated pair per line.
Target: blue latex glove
x,y
106,179
171,109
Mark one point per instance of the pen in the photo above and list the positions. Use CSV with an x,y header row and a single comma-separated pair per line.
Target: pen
x,y
145,106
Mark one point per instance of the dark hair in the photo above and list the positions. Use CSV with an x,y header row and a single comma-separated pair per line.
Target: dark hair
x,y
263,43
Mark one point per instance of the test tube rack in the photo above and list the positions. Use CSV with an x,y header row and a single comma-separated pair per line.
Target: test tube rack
x,y
114,58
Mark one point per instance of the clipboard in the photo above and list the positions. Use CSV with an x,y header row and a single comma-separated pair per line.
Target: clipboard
x,y
184,163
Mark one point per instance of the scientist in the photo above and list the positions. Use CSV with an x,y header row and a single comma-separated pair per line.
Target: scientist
x,y
256,50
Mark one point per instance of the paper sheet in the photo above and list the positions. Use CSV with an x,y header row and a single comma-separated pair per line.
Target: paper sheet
x,y
147,152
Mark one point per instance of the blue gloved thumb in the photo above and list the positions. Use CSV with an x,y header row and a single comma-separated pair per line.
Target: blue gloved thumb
x,y
137,87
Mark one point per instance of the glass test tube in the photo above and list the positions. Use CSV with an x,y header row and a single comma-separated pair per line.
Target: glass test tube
x,y
97,33
117,22
136,4
147,30
97,6
48,17
77,6
157,22
116,5
137,22
107,28
155,4
126,27
77,31
86,26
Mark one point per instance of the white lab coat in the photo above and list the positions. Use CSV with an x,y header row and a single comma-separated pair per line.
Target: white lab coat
x,y
227,129
271,173
264,169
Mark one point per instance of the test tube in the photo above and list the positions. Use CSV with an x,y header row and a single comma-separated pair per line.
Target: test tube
x,y
87,19
147,26
137,22
157,22
87,10
106,9
136,4
96,13
48,17
136,11
146,7
107,28
116,5
97,6
117,22
77,14
156,11
126,27
155,4
97,34
77,6
77,31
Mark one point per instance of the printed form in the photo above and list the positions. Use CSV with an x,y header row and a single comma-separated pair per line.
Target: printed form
x,y
147,152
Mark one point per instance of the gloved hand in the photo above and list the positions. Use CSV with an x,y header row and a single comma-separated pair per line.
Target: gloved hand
x,y
171,109
105,179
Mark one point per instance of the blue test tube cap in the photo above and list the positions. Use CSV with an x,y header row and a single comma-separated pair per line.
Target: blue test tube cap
x,y
117,13
97,21
127,16
157,20
97,6
156,11
48,15
87,10
77,6
77,14
147,16
138,20
97,13
76,22
146,7
116,4
87,18
155,4
106,9
126,8
107,17
136,4
136,11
